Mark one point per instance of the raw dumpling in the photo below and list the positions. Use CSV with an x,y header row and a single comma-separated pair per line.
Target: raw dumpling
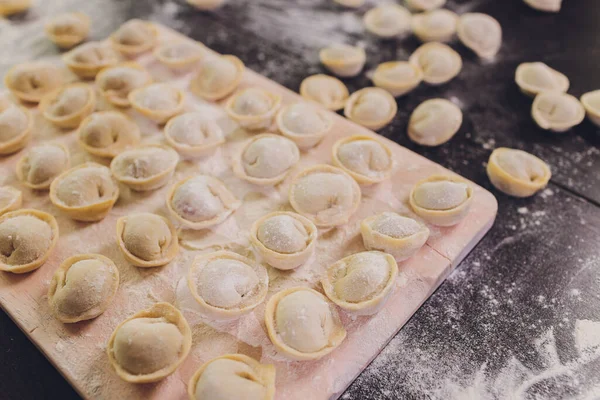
x,y
200,202
27,238
434,122
206,5
545,5
157,101
150,345
285,240
194,134
424,5
233,377
86,192
218,77
253,108
557,112
179,55
441,200
66,107
591,102
435,26
227,285
534,78
371,107
439,62
11,199
115,83
326,90
31,81
302,324
38,168
11,7
480,33
146,167
134,37
397,77
326,195
83,287
361,283
343,60
517,173
88,59
266,159
15,127
367,160
303,124
388,20
67,30
394,234
108,133
147,240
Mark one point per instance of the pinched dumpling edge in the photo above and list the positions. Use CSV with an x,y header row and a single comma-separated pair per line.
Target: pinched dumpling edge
x,y
460,31
179,63
114,99
367,307
443,217
254,122
88,70
284,261
152,182
337,335
344,67
20,141
15,203
227,313
135,50
227,90
158,116
400,248
35,264
432,80
396,88
562,80
373,125
304,92
68,40
60,274
563,126
158,310
303,141
358,177
170,255
511,185
46,184
110,151
73,120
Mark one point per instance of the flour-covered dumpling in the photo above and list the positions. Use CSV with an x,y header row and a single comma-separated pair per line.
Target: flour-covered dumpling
x,y
66,107
371,107
11,199
591,102
15,127
206,5
397,77
88,59
343,60
435,26
424,5
227,285
253,108
367,160
534,78
82,287
304,124
115,83
326,195
233,377
200,202
439,62
545,5
302,324
108,133
441,200
146,167
218,77
394,234
517,173
285,240
86,192
434,122
69,29
32,81
27,238
266,159
157,101
480,33
361,283
11,7
38,168
350,3
326,90
134,37
388,20
147,240
179,55
150,345
194,134
557,112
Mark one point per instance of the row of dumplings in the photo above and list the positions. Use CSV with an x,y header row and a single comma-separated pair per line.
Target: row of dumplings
x,y
432,5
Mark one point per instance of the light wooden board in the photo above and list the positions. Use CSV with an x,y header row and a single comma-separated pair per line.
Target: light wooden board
x,y
78,350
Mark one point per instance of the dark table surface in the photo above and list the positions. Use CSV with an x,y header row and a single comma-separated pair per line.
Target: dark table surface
x,y
519,317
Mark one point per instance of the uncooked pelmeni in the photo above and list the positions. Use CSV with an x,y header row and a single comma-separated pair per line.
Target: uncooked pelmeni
x,y
434,122
15,127
545,5
11,199
31,81
371,107
69,105
534,78
253,108
591,103
134,37
397,77
87,59
424,5
115,83
326,90
364,158
388,20
218,77
439,62
557,112
206,5
11,7
435,26
108,133
343,60
38,168
517,173
157,101
480,33
304,124
441,200
194,134
67,30
146,167
179,55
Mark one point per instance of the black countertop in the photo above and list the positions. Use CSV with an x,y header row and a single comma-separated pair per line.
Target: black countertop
x,y
519,317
